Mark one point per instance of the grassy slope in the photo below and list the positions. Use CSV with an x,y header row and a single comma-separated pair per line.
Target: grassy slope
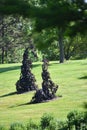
x,y
71,78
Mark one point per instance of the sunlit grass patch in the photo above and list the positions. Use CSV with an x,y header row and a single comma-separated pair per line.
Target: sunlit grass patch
x,y
72,88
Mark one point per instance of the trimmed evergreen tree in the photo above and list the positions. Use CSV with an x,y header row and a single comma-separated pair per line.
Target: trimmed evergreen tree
x,y
49,88
27,79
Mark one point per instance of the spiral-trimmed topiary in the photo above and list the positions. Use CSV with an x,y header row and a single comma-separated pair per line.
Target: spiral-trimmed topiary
x,y
27,79
48,87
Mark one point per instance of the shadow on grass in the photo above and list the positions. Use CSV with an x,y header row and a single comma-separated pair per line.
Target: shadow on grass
x,y
35,64
25,104
53,63
13,106
9,94
83,77
29,103
5,69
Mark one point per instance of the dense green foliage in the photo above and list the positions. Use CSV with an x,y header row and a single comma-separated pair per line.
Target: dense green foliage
x,y
74,46
20,7
75,121
68,17
14,37
62,15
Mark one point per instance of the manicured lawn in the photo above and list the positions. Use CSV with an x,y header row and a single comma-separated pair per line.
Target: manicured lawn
x,y
71,78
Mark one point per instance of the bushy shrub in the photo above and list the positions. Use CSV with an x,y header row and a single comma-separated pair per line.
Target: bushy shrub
x,y
45,120
85,105
60,125
77,120
85,121
32,125
2,128
53,125
17,126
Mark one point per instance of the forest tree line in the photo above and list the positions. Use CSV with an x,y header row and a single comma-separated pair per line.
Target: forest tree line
x,y
58,29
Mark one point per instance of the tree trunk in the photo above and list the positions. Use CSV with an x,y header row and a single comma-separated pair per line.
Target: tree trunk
x,y
61,47
2,56
6,55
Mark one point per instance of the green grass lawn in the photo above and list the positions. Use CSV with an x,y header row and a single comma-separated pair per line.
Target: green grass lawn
x,y
71,78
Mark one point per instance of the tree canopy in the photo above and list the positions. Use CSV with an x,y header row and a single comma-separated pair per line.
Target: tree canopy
x,y
20,7
65,15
